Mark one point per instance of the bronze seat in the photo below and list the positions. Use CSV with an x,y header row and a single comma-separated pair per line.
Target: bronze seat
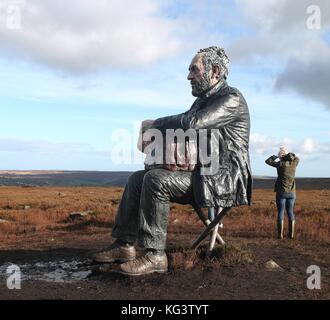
x,y
212,223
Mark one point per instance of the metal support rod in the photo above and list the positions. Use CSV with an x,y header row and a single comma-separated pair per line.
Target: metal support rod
x,y
219,238
211,214
213,237
208,229
206,222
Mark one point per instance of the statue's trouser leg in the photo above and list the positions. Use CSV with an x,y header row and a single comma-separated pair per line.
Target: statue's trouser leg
x,y
160,187
126,221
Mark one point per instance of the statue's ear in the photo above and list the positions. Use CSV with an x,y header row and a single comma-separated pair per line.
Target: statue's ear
x,y
216,71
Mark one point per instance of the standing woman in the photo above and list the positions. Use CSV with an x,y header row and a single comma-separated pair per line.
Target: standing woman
x,y
285,188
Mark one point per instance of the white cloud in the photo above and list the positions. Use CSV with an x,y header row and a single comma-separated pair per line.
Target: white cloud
x,y
281,33
310,79
85,35
42,147
308,146
282,15
264,145
267,145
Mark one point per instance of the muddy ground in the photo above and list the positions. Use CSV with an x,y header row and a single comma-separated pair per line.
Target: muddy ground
x,y
53,253
242,275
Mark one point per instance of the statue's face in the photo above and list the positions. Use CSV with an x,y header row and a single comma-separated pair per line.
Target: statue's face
x,y
200,81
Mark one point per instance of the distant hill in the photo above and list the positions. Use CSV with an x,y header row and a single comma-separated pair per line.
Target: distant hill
x,y
63,178
118,179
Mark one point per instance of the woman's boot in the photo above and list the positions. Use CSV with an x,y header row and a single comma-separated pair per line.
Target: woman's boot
x,y
291,228
280,225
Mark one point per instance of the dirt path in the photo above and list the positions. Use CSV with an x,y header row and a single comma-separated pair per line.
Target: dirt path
x,y
237,273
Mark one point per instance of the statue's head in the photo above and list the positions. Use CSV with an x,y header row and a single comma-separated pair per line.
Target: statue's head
x,y
207,68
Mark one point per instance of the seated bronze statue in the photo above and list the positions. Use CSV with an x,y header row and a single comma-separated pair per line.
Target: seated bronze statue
x,y
220,178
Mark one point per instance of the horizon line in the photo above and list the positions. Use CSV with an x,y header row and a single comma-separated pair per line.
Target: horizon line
x,y
27,172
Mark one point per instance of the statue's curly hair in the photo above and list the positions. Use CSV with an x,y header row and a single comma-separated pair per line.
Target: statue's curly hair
x,y
215,56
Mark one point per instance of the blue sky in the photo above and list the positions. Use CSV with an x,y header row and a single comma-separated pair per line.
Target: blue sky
x,y
71,83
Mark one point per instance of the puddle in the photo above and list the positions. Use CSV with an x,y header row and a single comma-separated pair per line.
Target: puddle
x,y
61,271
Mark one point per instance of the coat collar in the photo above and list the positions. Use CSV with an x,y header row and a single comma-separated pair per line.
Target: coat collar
x,y
218,88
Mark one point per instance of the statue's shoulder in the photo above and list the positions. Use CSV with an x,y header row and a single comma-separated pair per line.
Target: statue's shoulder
x,y
231,95
234,91
226,90
225,93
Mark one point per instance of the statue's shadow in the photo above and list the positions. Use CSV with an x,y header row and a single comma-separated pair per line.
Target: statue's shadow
x,y
110,271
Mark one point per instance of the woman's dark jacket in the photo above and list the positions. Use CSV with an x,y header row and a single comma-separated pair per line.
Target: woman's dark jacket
x,y
286,171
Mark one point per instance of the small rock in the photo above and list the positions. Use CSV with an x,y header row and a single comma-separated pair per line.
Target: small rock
x,y
27,207
188,265
62,195
176,221
4,221
271,265
78,215
202,286
248,260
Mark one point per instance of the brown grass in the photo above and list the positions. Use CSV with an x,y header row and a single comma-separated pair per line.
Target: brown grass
x,y
50,208
222,256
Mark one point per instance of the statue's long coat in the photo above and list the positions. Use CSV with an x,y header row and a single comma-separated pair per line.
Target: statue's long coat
x,y
225,109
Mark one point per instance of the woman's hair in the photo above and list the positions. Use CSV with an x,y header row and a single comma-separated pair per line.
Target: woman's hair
x,y
283,152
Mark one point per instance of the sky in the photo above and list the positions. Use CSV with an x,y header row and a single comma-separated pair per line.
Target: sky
x,y
77,77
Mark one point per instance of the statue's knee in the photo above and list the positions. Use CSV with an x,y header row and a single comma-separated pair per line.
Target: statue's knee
x,y
135,178
152,180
